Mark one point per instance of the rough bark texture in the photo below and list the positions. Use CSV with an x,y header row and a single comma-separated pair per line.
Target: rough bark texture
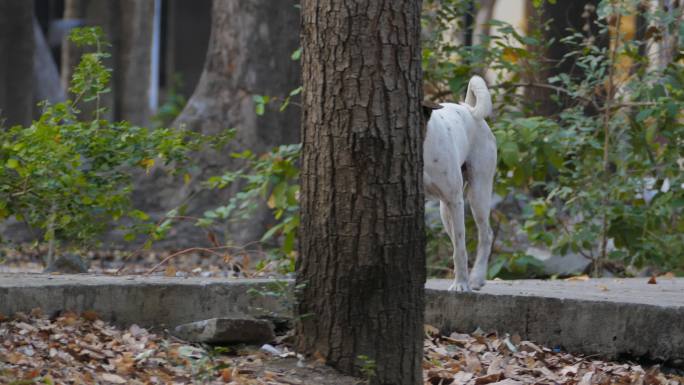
x,y
249,54
128,28
16,61
362,240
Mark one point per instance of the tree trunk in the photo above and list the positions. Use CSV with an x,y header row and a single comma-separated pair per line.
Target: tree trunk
x,y
128,28
568,17
45,73
92,13
133,58
16,62
362,238
188,26
249,54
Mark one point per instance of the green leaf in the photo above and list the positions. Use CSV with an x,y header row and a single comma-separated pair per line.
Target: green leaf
x,y
271,232
12,163
509,153
296,91
643,114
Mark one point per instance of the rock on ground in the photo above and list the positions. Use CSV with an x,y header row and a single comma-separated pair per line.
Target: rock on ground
x,y
232,330
68,264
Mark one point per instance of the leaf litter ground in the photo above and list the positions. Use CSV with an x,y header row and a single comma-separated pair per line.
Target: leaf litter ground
x,y
71,348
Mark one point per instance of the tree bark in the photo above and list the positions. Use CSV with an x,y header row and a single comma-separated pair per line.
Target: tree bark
x,y
16,62
362,239
249,54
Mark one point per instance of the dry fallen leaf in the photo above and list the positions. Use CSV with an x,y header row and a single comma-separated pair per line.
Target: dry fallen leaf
x,y
431,330
90,315
112,378
586,379
582,277
488,379
73,349
227,375
473,364
668,275
170,271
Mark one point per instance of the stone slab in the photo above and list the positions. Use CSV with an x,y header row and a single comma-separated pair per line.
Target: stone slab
x,y
227,330
613,318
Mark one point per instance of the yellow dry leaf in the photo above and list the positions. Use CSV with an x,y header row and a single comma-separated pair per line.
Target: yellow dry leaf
x,y
582,277
170,271
186,178
271,202
510,55
148,164
431,330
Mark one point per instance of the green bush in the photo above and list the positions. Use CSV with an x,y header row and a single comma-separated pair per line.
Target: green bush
x,y
589,169
605,170
69,174
274,178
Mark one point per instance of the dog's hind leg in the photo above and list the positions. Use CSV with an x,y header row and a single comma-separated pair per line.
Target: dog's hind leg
x,y
479,193
454,222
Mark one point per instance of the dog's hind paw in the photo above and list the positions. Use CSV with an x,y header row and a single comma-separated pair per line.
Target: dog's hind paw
x,y
459,287
476,283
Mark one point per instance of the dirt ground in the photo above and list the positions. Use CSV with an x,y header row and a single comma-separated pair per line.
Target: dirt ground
x,y
81,349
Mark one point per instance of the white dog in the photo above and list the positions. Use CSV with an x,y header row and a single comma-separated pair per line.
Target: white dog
x,y
459,147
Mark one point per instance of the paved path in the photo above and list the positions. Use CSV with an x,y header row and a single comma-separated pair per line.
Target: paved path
x,y
666,292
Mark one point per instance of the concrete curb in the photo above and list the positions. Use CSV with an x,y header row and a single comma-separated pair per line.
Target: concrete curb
x,y
147,301
613,318
610,318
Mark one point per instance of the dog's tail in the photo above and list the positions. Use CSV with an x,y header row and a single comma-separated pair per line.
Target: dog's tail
x,y
478,98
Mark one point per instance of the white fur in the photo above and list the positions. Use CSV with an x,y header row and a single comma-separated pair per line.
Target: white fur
x,y
458,135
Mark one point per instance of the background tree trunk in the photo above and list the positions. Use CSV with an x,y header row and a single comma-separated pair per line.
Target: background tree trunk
x,y
46,84
567,16
184,48
133,57
92,13
128,27
362,238
249,54
16,62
